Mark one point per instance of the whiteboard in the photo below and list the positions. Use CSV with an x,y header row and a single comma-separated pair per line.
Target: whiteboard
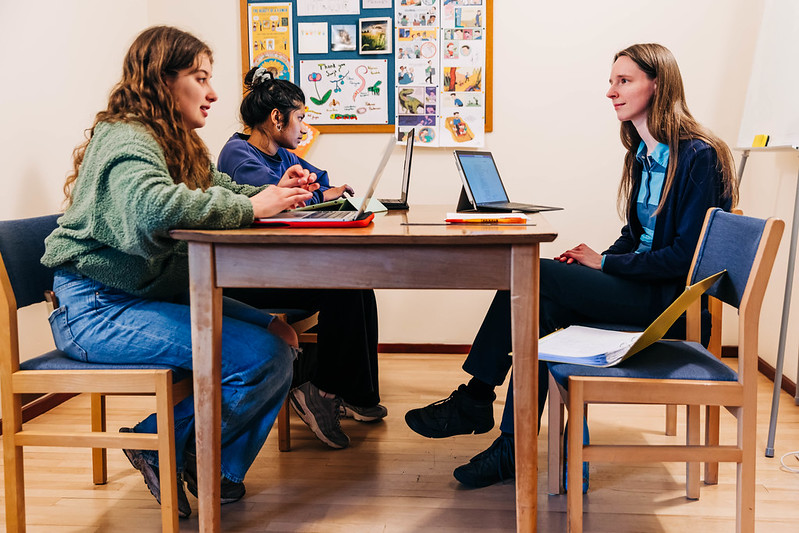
x,y
772,99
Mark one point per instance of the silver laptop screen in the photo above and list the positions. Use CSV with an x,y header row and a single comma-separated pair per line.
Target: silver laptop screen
x,y
482,176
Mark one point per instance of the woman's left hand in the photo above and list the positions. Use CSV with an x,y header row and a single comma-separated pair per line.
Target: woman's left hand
x,y
582,254
334,193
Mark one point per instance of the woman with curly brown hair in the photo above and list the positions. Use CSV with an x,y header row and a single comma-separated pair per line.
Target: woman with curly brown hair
x,y
122,282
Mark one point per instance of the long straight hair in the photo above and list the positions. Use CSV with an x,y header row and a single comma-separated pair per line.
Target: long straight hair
x,y
142,96
669,122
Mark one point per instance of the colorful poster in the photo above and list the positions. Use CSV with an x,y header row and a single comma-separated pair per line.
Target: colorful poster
x,y
270,33
462,109
345,91
418,70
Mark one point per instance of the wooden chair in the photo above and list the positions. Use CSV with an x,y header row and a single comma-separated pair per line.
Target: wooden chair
x,y
302,322
23,281
682,372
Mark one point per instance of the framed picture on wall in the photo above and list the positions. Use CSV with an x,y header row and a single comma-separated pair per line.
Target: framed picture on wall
x,y
374,35
342,37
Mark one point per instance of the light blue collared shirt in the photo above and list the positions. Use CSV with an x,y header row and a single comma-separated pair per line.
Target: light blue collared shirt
x,y
652,177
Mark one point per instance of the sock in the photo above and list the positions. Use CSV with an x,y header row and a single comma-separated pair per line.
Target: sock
x,y
480,390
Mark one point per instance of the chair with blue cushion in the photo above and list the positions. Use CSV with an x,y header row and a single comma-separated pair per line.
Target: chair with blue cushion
x,y
684,372
24,281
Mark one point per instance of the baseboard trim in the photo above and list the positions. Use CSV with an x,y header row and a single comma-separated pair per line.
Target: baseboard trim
x,y
424,348
35,406
764,368
770,372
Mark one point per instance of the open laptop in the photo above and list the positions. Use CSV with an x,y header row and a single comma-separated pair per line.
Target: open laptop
x,y
482,186
327,219
402,203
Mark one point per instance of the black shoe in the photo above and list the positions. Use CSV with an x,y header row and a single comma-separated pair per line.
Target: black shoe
x,y
491,466
231,491
459,414
152,479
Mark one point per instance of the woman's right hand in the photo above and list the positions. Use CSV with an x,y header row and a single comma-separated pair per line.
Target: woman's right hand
x,y
284,331
273,200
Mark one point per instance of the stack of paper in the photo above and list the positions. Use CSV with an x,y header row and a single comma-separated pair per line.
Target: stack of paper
x,y
487,218
580,345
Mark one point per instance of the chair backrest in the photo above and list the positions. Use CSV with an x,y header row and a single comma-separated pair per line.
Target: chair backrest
x,y
731,242
21,249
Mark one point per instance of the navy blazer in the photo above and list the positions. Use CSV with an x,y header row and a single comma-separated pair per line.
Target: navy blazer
x,y
697,187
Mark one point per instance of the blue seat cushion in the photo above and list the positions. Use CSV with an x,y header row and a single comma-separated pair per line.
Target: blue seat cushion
x,y
58,360
662,360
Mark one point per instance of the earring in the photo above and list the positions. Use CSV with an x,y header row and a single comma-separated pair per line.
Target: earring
x,y
278,127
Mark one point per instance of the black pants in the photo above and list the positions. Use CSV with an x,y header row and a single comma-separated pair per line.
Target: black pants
x,y
570,294
346,335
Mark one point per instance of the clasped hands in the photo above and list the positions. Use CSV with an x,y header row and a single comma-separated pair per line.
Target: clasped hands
x,y
583,255
294,189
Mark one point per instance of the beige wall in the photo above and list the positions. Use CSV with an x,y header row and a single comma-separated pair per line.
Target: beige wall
x,y
555,135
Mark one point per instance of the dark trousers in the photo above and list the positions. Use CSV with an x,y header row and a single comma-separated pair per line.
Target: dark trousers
x,y
570,294
346,336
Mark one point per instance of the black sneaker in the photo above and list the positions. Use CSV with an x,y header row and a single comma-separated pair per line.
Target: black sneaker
x,y
152,479
493,465
231,491
459,414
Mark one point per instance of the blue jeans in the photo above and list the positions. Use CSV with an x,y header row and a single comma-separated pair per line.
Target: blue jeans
x,y
99,324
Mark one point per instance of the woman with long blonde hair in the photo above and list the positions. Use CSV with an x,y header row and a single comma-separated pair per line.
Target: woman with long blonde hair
x,y
674,171
122,282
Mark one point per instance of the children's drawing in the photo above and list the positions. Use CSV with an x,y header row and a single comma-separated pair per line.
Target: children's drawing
x,y
458,127
411,101
463,79
319,100
345,91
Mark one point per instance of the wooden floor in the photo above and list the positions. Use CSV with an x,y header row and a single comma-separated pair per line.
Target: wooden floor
x,y
392,480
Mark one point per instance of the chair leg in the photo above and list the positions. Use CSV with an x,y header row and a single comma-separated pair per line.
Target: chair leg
x,y
284,427
745,493
555,440
99,460
13,467
692,438
712,439
671,420
574,497
166,453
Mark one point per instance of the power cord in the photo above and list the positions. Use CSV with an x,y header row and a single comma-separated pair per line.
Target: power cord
x,y
789,468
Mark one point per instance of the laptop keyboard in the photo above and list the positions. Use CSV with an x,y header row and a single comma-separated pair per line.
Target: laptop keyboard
x,y
342,215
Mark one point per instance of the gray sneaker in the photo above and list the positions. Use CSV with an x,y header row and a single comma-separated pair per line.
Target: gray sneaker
x,y
153,480
363,414
320,413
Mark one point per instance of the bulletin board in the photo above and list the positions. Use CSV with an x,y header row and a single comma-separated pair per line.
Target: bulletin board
x,y
312,44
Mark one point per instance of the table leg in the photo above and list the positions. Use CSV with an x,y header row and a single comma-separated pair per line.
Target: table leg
x,y
524,327
206,329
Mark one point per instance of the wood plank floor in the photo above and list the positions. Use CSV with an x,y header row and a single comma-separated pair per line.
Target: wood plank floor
x,y
392,480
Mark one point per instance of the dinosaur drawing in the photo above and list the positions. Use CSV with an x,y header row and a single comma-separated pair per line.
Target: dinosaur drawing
x,y
409,103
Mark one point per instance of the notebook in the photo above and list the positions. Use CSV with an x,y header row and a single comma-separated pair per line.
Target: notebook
x,y
482,187
581,345
402,203
328,219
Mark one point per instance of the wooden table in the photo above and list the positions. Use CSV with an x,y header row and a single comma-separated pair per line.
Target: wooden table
x,y
400,250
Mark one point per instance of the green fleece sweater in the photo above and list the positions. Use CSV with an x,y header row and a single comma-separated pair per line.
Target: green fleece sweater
x,y
124,203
